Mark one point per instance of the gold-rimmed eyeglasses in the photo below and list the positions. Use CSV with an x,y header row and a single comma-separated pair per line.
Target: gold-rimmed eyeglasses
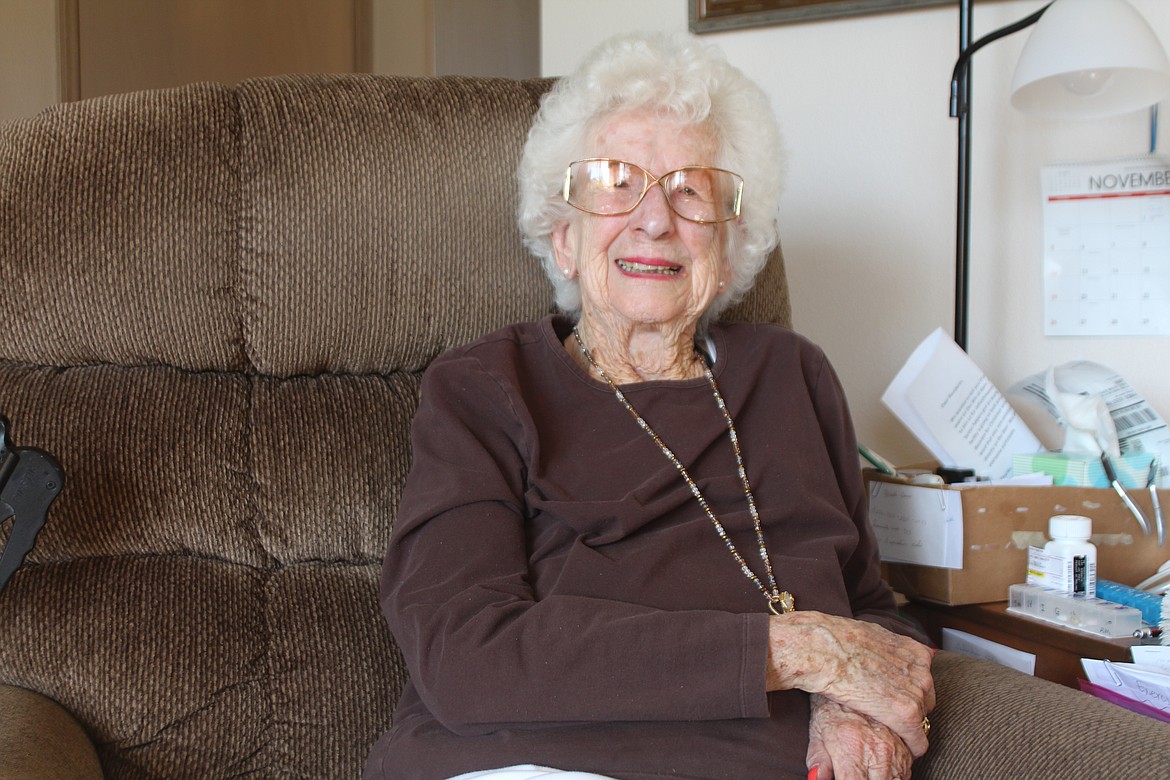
x,y
610,188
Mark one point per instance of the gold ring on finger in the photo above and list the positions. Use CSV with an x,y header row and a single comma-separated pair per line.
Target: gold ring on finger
x,y
925,726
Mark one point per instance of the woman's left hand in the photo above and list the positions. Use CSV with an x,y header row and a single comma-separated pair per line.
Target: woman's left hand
x,y
860,665
846,745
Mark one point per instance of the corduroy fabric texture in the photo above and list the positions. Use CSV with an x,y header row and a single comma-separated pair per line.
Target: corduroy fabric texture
x,y
120,232
218,302
993,722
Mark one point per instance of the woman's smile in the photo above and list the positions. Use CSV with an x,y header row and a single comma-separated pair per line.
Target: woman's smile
x,y
649,268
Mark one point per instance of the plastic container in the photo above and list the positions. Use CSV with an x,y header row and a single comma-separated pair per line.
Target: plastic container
x,y
1070,542
1092,616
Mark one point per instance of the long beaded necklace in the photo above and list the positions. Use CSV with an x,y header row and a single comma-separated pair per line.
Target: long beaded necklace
x,y
779,602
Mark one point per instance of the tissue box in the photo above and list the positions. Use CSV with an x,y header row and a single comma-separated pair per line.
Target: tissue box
x,y
1133,469
1001,522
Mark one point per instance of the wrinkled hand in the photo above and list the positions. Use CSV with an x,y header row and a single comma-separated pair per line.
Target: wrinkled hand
x,y
857,664
846,745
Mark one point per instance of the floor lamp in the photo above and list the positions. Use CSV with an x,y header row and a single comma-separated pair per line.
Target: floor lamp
x,y
1085,59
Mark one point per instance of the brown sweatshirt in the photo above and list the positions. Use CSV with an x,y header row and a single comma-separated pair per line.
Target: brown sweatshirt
x,y
561,598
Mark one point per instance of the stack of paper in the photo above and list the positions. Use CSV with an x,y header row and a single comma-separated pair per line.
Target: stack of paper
x,y
956,412
1143,686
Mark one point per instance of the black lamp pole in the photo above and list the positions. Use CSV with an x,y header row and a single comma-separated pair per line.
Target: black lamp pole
x,y
961,109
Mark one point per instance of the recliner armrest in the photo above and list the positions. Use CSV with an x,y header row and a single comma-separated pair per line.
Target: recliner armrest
x,y
992,721
41,740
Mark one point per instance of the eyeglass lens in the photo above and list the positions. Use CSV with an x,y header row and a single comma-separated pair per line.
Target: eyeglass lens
x,y
612,187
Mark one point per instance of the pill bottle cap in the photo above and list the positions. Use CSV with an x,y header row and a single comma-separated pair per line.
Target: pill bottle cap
x,y
1070,527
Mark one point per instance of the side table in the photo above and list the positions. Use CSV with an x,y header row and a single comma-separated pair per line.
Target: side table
x,y
1058,651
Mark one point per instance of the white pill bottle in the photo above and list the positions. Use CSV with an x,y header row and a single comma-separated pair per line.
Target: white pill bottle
x,y
1070,542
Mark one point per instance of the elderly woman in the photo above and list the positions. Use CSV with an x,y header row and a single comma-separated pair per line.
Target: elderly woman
x,y
634,542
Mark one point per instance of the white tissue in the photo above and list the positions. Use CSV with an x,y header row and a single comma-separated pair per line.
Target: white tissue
x,y
1051,404
1088,425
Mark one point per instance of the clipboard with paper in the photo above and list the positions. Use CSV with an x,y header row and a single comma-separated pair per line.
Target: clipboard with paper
x,y
1136,683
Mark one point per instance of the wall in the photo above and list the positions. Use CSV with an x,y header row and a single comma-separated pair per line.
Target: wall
x,y
127,45
28,57
406,37
868,209
440,37
400,42
500,38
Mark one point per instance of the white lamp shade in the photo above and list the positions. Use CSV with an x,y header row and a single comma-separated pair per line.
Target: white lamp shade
x,y
1090,58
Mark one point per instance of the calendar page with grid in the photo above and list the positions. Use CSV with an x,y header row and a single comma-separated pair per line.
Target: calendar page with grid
x,y
1107,248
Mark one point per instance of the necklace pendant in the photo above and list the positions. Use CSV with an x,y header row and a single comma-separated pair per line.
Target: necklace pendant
x,y
786,601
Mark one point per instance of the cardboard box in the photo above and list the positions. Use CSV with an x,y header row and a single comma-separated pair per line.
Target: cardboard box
x,y
1001,522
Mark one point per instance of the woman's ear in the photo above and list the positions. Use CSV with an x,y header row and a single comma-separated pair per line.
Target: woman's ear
x,y
726,269
726,273
563,247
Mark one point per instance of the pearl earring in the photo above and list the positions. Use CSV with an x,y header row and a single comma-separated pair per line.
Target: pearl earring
x,y
566,272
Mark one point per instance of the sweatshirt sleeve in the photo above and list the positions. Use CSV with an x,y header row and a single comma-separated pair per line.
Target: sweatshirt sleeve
x,y
871,598
483,651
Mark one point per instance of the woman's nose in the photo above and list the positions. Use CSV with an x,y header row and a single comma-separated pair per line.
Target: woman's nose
x,y
653,215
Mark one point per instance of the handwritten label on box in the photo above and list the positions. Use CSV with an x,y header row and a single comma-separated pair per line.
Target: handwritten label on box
x,y
917,524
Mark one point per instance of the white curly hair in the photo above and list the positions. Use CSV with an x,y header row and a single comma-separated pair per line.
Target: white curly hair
x,y
678,77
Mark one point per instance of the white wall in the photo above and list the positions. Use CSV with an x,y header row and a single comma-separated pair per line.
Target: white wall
x,y
868,209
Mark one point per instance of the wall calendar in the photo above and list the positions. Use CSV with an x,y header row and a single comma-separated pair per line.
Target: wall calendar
x,y
1107,248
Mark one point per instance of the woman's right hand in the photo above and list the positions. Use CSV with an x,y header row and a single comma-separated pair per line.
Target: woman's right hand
x,y
845,745
857,664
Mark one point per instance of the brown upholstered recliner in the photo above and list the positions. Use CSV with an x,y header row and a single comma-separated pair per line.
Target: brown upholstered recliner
x,y
217,303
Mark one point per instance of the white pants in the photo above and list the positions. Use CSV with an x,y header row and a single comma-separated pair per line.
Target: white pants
x,y
529,772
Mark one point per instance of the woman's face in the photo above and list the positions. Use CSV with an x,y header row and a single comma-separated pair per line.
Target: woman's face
x,y
650,266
